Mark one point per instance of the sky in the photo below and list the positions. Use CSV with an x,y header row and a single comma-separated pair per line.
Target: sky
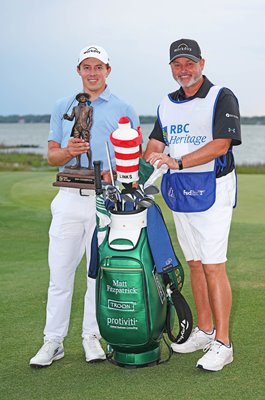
x,y
41,40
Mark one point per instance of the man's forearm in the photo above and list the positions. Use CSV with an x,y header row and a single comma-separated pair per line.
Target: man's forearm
x,y
207,153
153,145
58,156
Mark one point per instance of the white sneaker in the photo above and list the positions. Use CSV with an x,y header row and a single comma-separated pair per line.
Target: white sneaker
x,y
217,356
197,341
93,349
52,350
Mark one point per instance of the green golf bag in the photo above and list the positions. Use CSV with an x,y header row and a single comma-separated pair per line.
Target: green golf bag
x,y
138,283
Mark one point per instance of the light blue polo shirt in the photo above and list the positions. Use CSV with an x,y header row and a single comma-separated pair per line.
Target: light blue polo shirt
x,y
107,110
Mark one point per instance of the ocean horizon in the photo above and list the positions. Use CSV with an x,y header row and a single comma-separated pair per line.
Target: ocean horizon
x,y
33,138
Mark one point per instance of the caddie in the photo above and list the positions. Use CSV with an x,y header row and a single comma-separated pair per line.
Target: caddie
x,y
200,124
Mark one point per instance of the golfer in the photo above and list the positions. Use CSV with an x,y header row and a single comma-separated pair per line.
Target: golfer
x,y
74,212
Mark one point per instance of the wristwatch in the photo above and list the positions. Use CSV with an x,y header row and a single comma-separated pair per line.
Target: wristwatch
x,y
179,161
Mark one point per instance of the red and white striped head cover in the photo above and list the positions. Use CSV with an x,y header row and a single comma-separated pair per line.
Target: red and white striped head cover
x,y
126,142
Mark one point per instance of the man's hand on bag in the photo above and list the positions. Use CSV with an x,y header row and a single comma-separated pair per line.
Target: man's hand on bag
x,y
162,159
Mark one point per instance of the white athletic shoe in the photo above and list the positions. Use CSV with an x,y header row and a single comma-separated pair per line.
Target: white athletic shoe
x,y
52,350
93,349
217,356
197,341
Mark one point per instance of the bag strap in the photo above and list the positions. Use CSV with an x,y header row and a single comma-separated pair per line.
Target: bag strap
x,y
94,259
184,316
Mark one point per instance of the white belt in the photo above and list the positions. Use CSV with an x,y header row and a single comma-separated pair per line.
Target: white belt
x,y
79,192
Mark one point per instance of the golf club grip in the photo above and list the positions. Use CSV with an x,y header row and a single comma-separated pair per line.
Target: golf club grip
x,y
97,172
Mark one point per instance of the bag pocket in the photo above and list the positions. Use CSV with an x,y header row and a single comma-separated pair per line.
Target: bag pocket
x,y
189,191
122,305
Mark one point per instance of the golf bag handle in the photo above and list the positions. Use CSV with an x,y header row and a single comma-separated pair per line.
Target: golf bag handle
x,y
97,172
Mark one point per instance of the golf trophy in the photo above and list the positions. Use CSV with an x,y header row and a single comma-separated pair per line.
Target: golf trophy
x,y
76,176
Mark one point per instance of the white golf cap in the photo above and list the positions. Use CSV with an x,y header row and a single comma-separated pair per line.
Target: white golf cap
x,y
93,51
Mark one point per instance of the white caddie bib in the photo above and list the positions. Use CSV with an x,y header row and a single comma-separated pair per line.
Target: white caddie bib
x,y
187,126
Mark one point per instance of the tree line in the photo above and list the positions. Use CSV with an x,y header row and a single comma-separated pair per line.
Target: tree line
x,y
144,119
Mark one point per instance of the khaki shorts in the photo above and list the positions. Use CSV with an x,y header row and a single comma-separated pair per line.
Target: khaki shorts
x,y
204,235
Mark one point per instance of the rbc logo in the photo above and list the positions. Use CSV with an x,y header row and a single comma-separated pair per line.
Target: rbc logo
x,y
181,128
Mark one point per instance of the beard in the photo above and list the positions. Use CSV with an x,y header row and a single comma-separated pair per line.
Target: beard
x,y
194,79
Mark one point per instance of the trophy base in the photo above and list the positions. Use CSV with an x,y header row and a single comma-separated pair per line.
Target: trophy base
x,y
76,178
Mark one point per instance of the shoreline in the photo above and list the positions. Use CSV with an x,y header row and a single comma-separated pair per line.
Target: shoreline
x,y
32,161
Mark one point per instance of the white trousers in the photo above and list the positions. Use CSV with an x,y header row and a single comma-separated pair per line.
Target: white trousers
x,y
71,231
204,235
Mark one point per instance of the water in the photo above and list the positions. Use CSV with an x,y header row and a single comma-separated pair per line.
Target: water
x,y
252,151
25,134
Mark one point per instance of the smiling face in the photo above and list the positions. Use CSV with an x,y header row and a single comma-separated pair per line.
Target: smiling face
x,y
93,73
188,74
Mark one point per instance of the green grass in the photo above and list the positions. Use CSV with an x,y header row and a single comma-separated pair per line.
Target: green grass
x,y
16,161
251,169
13,161
24,223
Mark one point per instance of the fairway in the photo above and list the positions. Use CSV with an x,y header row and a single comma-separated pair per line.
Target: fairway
x,y
24,220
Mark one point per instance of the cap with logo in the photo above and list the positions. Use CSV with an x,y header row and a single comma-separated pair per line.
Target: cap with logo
x,y
94,51
186,48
